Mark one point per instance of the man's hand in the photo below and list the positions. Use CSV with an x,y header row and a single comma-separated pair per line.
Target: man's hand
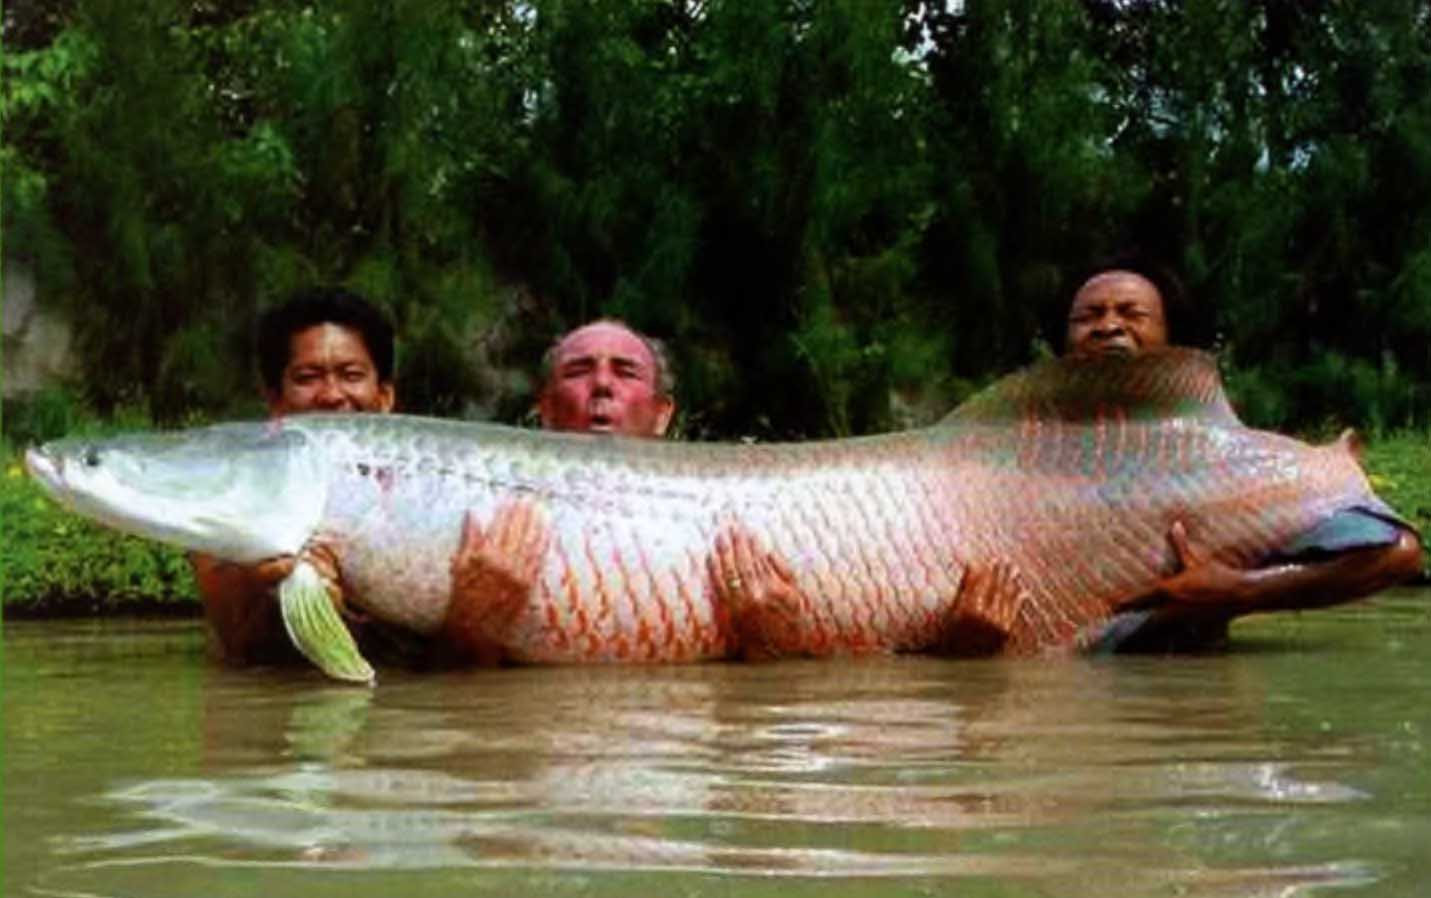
x,y
261,577
772,617
493,574
1202,580
1205,582
322,554
241,600
985,618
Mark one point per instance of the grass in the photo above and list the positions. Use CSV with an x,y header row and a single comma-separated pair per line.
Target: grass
x,y
55,563
1400,471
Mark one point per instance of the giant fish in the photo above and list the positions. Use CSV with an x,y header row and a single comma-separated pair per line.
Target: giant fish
x,y
1068,474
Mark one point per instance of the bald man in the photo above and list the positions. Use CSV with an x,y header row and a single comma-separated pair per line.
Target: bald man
x,y
603,378
1121,310
1117,312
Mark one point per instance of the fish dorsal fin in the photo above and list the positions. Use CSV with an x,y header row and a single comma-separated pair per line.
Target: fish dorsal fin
x,y
1164,383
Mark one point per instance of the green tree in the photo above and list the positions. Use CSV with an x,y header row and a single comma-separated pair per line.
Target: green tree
x,y
844,215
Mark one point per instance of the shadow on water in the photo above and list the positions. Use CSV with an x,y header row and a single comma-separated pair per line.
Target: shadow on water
x,y
1293,764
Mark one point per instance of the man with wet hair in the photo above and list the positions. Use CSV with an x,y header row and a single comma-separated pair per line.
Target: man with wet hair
x,y
1124,305
1131,304
325,349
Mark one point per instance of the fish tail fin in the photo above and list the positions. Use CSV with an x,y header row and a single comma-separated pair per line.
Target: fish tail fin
x,y
1350,442
316,629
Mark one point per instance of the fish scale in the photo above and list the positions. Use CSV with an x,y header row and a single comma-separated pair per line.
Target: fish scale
x,y
1070,473
857,605
633,555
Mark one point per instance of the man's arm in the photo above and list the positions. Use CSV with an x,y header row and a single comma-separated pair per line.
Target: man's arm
x,y
241,607
1205,582
241,603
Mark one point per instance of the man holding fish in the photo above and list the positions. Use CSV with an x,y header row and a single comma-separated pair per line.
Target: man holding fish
x,y
329,350
324,350
1120,310
602,378
1375,562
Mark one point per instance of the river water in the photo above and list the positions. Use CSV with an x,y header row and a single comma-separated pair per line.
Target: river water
x,y
1297,763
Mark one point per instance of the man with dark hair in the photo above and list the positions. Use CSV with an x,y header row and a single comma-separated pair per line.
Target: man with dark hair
x,y
323,350
1131,304
1124,305
326,349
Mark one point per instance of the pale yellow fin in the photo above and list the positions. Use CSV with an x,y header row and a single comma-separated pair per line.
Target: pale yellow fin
x,y
316,629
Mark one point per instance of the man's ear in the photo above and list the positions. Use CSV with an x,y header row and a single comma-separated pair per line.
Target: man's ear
x,y
387,396
273,401
664,416
544,409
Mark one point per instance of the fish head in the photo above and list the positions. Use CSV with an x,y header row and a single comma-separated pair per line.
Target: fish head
x,y
241,492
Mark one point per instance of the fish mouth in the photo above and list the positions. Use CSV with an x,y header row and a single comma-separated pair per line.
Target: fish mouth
x,y
46,470
40,465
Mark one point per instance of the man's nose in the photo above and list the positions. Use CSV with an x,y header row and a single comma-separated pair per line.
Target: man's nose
x,y
602,378
1108,325
329,392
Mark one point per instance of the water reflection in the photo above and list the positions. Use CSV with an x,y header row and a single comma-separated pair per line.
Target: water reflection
x,y
1142,777
1291,766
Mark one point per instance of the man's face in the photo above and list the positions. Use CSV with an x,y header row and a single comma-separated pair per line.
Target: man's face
x,y
1116,313
603,380
329,370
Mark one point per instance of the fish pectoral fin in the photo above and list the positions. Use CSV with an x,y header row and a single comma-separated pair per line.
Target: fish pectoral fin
x,y
316,628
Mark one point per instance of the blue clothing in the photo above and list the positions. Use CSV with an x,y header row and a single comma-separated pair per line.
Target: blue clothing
x,y
1357,527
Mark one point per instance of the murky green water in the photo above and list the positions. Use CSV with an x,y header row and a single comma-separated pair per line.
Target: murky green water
x,y
1298,763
